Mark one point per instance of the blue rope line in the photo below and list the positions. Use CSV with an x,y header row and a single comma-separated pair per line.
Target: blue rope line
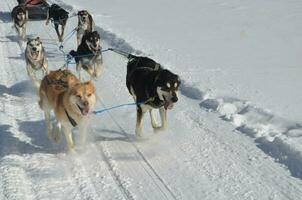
x,y
114,107
67,37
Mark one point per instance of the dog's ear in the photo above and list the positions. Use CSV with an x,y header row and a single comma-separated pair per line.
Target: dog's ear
x,y
79,12
38,39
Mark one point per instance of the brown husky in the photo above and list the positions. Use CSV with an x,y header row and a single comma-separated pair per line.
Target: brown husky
x,y
70,100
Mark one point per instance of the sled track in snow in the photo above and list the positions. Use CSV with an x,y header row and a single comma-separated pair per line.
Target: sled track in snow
x,y
144,159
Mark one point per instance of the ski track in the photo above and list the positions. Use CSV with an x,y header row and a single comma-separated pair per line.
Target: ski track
x,y
110,165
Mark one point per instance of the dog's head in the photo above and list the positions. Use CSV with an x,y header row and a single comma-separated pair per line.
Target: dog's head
x,y
93,41
35,47
21,13
167,85
83,97
83,16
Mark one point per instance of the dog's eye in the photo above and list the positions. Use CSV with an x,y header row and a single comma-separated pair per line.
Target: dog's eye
x,y
78,96
89,95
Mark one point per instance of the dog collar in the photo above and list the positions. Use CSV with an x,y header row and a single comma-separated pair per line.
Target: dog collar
x,y
71,120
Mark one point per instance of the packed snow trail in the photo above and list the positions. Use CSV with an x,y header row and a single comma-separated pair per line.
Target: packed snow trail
x,y
198,157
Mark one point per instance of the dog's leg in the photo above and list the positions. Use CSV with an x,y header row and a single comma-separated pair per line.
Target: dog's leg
x,y
19,32
56,132
23,32
83,132
57,31
68,136
78,40
90,70
139,116
79,68
163,117
62,32
98,68
47,18
32,76
45,67
153,120
48,124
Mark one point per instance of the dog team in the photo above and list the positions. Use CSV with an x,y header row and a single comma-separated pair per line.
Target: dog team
x,y
72,100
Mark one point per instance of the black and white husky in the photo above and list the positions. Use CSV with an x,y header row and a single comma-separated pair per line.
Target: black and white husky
x,y
59,16
152,87
89,55
35,60
85,23
20,16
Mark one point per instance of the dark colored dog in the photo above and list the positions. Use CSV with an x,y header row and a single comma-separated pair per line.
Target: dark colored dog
x,y
59,17
152,87
85,23
88,55
20,16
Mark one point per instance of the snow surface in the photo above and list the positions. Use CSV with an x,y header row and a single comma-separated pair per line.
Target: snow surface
x,y
236,132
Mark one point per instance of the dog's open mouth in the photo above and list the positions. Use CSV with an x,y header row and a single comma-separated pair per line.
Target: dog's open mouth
x,y
96,49
84,110
34,54
168,104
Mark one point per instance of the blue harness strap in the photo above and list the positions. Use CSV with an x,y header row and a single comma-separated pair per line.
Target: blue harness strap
x,y
114,107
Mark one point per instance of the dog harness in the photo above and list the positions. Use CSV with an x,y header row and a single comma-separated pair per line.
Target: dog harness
x,y
71,120
61,81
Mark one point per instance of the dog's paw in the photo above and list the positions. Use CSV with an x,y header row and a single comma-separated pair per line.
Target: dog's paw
x,y
138,132
155,126
71,148
159,129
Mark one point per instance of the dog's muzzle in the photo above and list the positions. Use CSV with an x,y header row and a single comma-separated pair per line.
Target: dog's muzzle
x,y
34,53
169,103
84,108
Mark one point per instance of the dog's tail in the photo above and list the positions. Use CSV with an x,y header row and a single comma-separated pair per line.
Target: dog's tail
x,y
123,53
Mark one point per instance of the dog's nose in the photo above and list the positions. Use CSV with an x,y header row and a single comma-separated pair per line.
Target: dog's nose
x,y
34,48
85,103
174,99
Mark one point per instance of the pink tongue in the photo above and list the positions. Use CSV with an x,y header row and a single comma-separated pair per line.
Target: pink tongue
x,y
85,110
35,55
168,105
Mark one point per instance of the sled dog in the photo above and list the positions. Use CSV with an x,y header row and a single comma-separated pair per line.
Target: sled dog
x,y
35,59
152,87
71,101
59,17
85,23
89,55
20,16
